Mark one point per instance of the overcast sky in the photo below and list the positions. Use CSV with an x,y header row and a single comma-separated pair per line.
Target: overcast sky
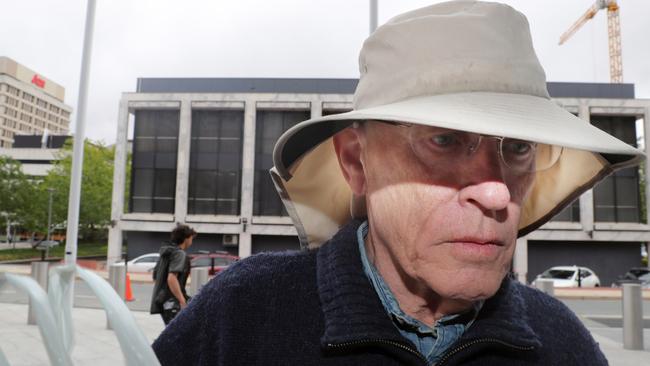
x,y
269,38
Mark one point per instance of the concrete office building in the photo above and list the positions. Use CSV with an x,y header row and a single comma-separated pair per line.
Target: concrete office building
x,y
202,149
29,103
36,153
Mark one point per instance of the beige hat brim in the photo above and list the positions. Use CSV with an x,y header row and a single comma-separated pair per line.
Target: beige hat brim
x,y
318,198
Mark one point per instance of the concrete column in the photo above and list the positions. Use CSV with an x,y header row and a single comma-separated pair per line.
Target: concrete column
x,y
248,175
632,316
316,108
520,259
119,180
183,162
198,278
40,273
587,198
646,142
545,285
117,280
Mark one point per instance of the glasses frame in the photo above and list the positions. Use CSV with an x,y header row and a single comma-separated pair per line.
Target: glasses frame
x,y
472,149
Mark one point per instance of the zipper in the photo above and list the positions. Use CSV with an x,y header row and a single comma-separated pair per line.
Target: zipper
x,y
477,341
369,342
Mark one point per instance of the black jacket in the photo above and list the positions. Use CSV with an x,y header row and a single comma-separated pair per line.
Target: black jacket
x,y
172,259
318,308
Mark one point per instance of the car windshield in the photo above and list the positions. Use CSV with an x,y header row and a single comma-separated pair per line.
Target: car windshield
x,y
645,277
202,262
222,261
639,271
561,274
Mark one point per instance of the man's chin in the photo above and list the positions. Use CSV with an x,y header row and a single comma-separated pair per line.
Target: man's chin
x,y
470,289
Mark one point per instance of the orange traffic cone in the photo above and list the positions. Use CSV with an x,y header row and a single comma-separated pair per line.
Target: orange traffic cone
x,y
129,293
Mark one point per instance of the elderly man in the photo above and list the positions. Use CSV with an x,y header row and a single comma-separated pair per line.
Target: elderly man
x,y
411,205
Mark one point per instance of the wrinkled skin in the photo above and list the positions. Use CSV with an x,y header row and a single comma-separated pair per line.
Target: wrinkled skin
x,y
441,238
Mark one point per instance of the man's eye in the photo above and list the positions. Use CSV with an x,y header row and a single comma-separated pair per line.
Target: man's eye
x,y
518,147
444,140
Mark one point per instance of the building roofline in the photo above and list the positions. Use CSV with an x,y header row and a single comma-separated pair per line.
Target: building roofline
x,y
344,86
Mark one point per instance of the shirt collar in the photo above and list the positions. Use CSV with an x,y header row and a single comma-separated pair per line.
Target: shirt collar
x,y
390,303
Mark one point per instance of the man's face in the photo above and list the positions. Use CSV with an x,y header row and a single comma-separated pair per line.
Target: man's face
x,y
446,225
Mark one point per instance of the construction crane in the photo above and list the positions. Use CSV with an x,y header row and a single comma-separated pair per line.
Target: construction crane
x,y
613,31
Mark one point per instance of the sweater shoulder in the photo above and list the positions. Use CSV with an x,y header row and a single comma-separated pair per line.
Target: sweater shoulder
x,y
272,270
558,327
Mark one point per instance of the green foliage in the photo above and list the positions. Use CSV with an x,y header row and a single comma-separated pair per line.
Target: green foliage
x,y
15,190
83,250
96,192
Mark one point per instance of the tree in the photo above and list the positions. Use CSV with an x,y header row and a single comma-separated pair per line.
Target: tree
x,y
96,189
15,190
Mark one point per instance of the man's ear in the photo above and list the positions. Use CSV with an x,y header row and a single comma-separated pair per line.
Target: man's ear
x,y
348,147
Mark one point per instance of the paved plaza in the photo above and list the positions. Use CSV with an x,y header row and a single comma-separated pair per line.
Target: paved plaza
x,y
97,346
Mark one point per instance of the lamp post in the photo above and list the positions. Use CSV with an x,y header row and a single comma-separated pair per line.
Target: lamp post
x,y
49,221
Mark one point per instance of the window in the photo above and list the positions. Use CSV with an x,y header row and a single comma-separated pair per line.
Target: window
x,y
28,97
155,145
570,213
616,199
13,90
269,126
215,162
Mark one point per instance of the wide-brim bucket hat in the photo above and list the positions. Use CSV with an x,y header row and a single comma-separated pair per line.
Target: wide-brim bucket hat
x,y
462,65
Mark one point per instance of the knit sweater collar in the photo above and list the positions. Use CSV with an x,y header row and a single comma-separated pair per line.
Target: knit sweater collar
x,y
353,312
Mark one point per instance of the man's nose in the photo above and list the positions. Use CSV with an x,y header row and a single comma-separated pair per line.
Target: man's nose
x,y
485,185
488,195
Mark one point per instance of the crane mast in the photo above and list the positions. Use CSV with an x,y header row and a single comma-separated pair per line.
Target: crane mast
x,y
613,32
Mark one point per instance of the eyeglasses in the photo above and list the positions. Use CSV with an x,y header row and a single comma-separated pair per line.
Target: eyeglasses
x,y
432,145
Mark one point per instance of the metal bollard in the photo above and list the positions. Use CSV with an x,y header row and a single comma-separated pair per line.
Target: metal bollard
x,y
117,279
632,317
545,285
40,274
198,277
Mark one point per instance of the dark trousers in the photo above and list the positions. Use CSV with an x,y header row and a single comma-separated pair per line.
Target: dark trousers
x,y
168,315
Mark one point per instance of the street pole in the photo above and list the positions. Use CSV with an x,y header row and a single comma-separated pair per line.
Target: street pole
x,y
79,139
49,222
373,15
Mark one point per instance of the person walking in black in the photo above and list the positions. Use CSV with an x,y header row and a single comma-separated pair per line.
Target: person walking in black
x,y
171,273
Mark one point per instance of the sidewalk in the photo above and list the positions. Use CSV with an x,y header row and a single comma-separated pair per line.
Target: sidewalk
x,y
94,344
97,346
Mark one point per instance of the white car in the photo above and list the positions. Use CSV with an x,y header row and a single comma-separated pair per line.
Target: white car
x,y
567,276
141,264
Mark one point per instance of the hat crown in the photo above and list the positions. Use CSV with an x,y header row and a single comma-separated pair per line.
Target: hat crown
x,y
452,47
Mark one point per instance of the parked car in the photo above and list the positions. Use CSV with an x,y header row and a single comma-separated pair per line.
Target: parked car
x,y
141,264
216,261
567,276
645,281
632,276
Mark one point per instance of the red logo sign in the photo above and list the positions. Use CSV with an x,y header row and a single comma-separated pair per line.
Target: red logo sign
x,y
38,81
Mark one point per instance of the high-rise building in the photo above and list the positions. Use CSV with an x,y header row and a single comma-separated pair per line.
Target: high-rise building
x,y
30,104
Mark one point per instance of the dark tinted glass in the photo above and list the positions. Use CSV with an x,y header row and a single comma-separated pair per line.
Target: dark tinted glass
x,y
270,125
155,144
215,162
616,199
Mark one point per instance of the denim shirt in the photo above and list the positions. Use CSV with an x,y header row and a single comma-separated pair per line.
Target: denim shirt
x,y
431,342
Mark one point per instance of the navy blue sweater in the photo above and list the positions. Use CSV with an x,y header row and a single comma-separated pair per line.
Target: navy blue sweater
x,y
318,308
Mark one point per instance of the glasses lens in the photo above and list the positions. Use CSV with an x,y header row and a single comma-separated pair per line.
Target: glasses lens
x,y
431,145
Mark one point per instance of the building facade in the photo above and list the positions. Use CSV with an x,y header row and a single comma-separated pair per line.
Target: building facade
x,y
202,149
30,104
36,153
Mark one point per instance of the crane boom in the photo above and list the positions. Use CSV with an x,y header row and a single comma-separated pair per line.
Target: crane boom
x,y
613,32
581,21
